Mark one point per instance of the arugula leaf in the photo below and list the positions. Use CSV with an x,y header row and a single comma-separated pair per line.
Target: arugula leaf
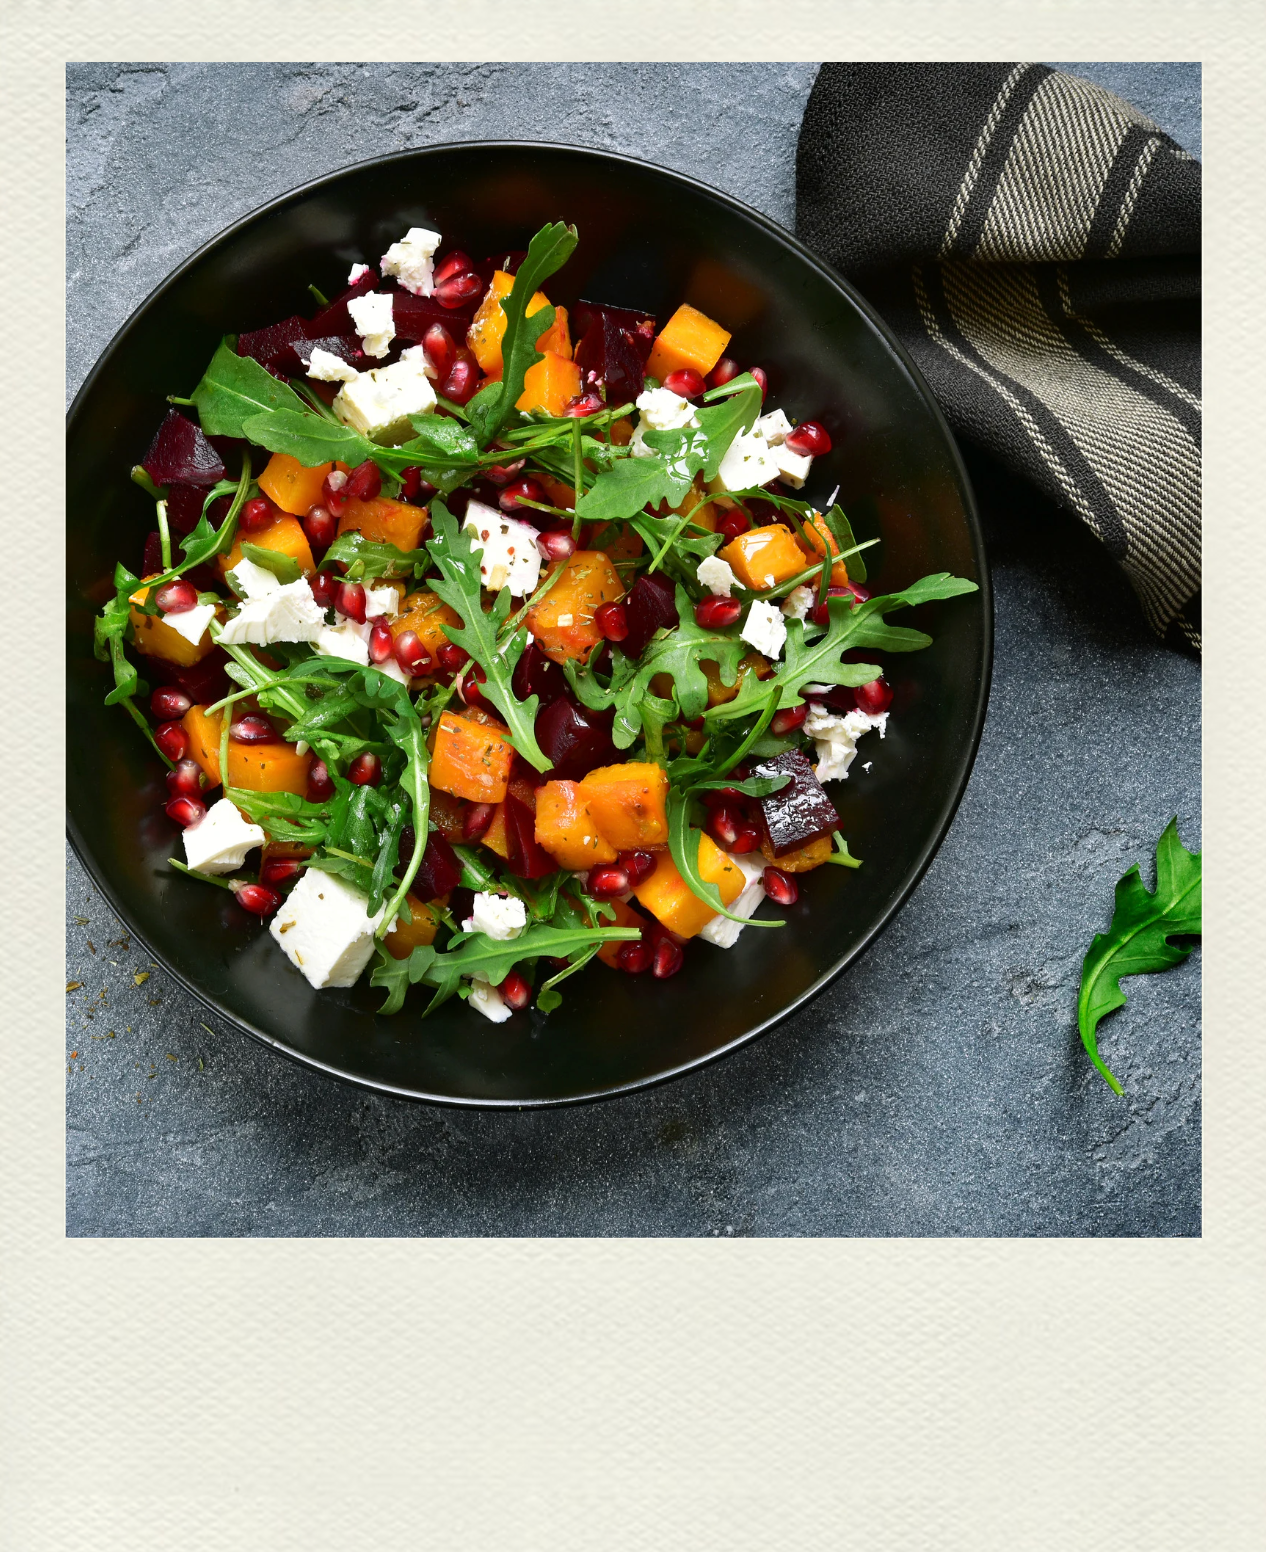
x,y
842,530
309,438
284,815
1137,941
404,728
283,567
683,845
629,485
395,976
722,422
452,552
234,388
369,559
442,439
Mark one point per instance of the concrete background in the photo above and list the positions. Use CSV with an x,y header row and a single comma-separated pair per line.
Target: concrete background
x,y
939,1088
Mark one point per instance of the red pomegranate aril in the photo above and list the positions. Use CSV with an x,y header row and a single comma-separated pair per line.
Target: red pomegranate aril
x,y
633,957
874,698
280,870
411,655
176,597
168,704
687,383
525,489
762,380
320,783
612,620
608,880
364,482
503,473
441,350
637,865
470,691
365,770
413,487
256,515
463,378
455,263
457,289
324,586
556,546
788,720
748,839
725,824
350,601
257,900
781,888
583,404
320,527
476,819
723,372
172,739
668,959
334,483
820,614
451,657
733,524
515,991
717,613
382,644
184,780
810,439
253,730
185,811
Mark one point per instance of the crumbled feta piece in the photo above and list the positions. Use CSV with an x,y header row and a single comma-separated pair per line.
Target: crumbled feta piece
x,y
835,738
793,468
356,273
325,930
412,260
347,640
326,367
191,623
378,403
765,629
723,932
508,556
749,462
393,670
500,916
798,602
716,575
219,841
662,410
282,613
252,581
374,322
381,601
487,999
774,427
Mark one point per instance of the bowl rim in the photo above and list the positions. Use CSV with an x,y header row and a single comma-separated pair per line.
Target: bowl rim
x,y
954,794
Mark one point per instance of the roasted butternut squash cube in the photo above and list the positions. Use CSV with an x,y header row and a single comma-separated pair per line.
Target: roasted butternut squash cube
x,y
471,759
689,339
669,899
628,803
566,829
288,484
625,916
495,837
822,541
615,540
549,385
562,623
386,521
426,614
407,936
803,859
557,492
764,557
718,691
285,535
156,638
255,767
488,326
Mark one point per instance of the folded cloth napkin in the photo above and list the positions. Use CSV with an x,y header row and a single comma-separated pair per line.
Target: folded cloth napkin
x,y
1034,242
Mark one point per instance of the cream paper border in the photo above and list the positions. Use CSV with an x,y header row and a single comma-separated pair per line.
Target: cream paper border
x,y
608,1395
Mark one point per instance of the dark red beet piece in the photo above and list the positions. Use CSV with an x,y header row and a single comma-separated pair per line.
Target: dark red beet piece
x,y
536,674
801,812
347,347
414,315
179,451
651,603
639,326
184,507
440,871
610,358
203,682
274,347
335,319
527,859
575,739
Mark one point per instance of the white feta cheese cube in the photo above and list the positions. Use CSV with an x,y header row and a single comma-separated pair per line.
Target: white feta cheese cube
x,y
487,999
191,623
381,601
749,462
723,932
765,629
500,916
347,640
793,468
774,427
252,581
374,321
283,613
798,602
412,260
716,575
379,402
325,930
508,556
664,410
835,738
356,272
218,843
326,367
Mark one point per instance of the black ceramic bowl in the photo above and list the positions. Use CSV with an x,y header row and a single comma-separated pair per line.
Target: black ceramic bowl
x,y
648,239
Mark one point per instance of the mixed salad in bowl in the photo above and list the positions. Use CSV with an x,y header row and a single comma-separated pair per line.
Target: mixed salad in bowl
x,y
481,639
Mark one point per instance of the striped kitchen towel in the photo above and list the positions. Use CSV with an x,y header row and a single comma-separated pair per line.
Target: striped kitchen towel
x,y
1034,241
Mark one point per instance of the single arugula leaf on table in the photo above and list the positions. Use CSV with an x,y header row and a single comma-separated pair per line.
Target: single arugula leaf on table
x,y
1138,940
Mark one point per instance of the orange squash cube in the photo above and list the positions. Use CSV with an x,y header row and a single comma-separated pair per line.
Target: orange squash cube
x,y
156,638
565,827
557,492
625,916
821,542
668,897
549,385
285,535
764,557
613,540
629,803
719,693
689,339
488,326
803,859
471,759
407,936
427,615
562,622
495,837
385,521
255,767
292,487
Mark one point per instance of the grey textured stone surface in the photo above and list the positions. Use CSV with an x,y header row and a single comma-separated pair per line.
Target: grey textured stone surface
x,y
939,1088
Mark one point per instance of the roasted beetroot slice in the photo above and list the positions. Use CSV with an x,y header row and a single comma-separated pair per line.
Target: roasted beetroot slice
x,y
335,319
179,451
650,604
527,859
536,674
204,682
609,359
640,325
414,315
184,508
801,812
575,739
274,347
440,871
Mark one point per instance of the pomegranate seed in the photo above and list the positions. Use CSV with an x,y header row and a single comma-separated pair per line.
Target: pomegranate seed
x,y
668,959
476,819
320,783
456,263
462,380
874,698
633,957
725,824
172,739
748,839
320,527
759,374
734,523
687,383
441,350
176,597
637,865
350,600
451,657
469,690
583,404
557,546
365,770
185,811
324,586
257,900
821,615
717,613
413,487
503,473
612,620
334,483
788,721
382,644
459,288
185,780
723,372
364,482
781,888
525,489
279,870
809,439
607,881
411,655
515,992
167,703
256,514
253,730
